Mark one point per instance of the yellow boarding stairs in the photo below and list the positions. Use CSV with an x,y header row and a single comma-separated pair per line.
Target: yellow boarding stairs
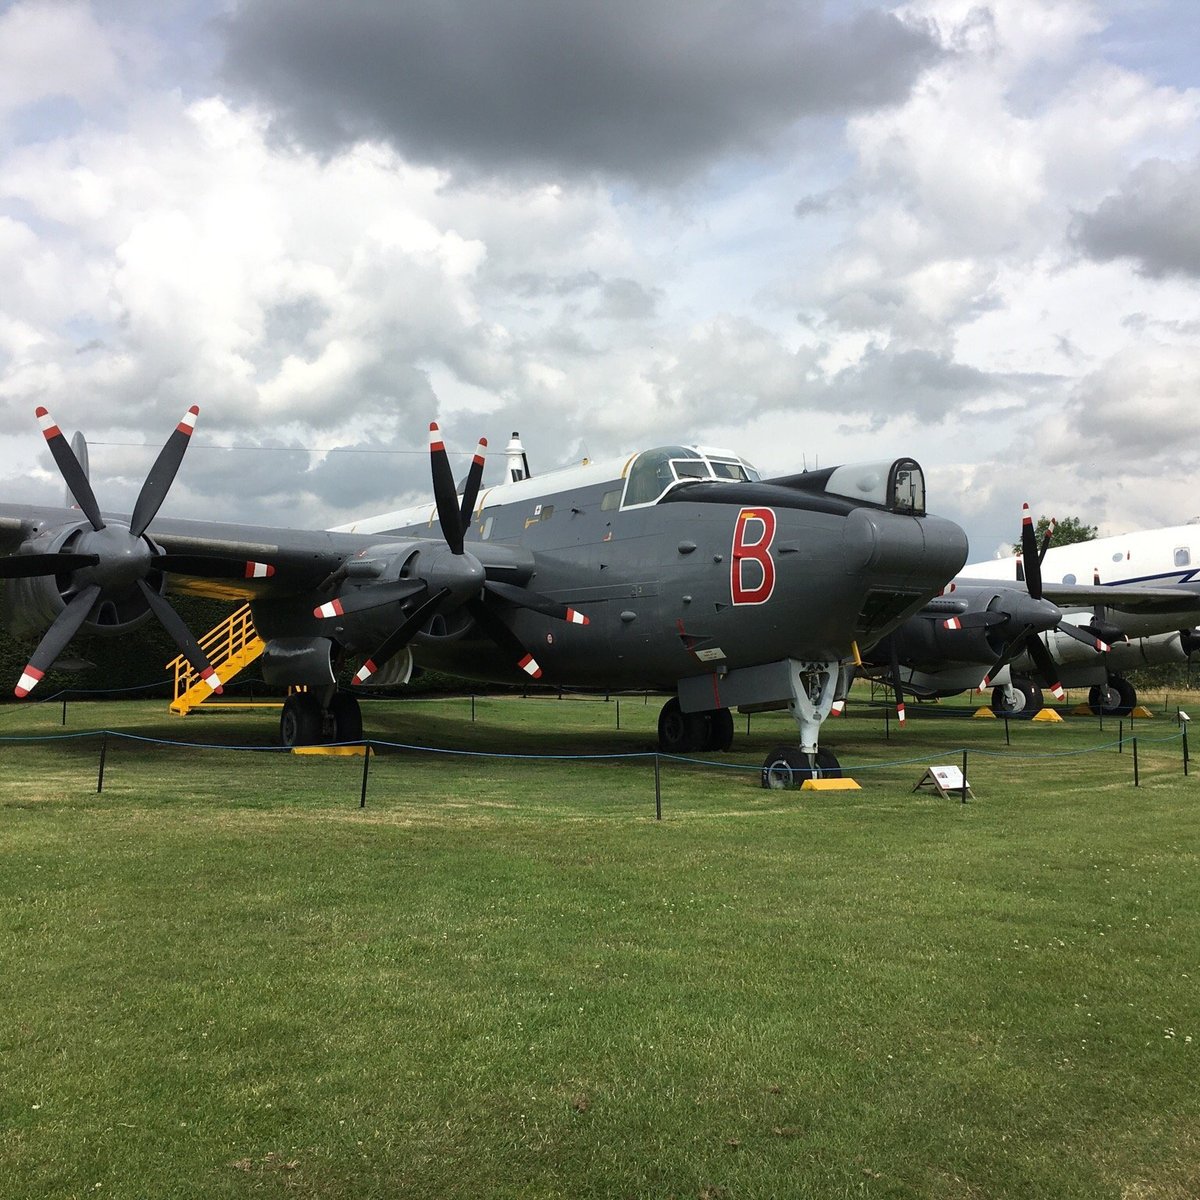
x,y
231,647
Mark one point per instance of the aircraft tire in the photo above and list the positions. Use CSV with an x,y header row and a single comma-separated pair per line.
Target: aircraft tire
x,y
347,718
1029,701
1104,700
1127,693
718,737
300,723
680,732
789,767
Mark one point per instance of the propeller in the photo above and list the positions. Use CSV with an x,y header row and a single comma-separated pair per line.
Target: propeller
x,y
111,560
450,580
897,685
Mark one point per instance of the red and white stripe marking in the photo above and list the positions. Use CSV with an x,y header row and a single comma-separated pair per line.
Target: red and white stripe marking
x,y
1057,691
257,570
188,421
332,609
1026,516
530,666
839,707
576,617
435,438
480,452
30,678
365,671
952,623
1102,646
213,680
46,421
900,714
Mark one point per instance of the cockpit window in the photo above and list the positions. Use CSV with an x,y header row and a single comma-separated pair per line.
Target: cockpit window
x,y
898,486
655,472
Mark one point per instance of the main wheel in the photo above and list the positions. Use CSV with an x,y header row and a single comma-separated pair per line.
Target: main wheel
x,y
347,717
788,767
680,732
1127,693
300,723
1103,700
1026,701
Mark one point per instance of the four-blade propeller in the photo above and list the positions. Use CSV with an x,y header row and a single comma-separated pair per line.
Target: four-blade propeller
x,y
448,582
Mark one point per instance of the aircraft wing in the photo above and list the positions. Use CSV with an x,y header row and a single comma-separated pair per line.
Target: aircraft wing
x,y
1128,598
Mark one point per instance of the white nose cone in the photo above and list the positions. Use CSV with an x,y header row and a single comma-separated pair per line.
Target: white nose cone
x,y
514,457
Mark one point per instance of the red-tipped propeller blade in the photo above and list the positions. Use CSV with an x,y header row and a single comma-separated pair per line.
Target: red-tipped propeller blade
x,y
173,623
162,474
55,639
471,491
75,476
534,601
444,494
400,637
504,637
375,595
211,567
1029,554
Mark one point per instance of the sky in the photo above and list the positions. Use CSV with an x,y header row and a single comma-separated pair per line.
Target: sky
x,y
966,231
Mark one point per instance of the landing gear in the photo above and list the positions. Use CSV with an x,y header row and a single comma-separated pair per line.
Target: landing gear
x,y
306,721
788,767
1117,698
1023,699
683,733
301,722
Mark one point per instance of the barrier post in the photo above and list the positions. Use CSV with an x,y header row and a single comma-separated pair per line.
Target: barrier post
x,y
1007,739
1185,748
1120,737
657,787
103,756
64,716
1136,782
362,800
964,778
472,708
618,712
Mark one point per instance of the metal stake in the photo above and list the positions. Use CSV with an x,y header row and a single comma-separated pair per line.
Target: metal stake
x,y
103,756
362,801
657,788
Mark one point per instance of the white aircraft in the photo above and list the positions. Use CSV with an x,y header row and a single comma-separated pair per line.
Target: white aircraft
x,y
1054,617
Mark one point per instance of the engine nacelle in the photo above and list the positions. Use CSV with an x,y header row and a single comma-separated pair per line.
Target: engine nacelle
x,y
927,640
32,604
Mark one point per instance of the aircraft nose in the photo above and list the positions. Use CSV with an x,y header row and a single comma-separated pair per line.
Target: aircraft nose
x,y
920,552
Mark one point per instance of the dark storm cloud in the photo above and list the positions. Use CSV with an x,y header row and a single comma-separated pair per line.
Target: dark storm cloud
x,y
1154,220
648,92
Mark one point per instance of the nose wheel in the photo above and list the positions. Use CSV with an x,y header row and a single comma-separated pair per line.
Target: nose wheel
x,y
307,720
788,767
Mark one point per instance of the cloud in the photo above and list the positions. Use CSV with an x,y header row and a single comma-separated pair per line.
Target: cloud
x,y
1153,219
648,92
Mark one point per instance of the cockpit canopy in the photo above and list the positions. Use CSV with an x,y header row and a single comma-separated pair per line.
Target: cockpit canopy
x,y
654,472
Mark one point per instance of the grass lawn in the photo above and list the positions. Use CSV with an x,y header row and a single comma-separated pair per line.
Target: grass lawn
x,y
504,977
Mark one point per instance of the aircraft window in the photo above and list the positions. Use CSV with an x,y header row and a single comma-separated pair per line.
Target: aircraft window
x,y
693,468
907,487
1069,579
485,530
1118,556
547,512
610,500
1183,557
732,470
651,474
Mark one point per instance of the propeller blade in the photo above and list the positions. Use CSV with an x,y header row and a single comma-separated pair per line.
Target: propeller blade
x,y
1029,554
504,637
25,566
162,474
210,566
1087,637
65,626
75,476
535,602
896,683
1047,538
444,494
1047,668
471,491
173,623
374,595
984,619
400,637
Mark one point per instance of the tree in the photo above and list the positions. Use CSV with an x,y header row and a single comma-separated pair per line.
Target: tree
x,y
1066,532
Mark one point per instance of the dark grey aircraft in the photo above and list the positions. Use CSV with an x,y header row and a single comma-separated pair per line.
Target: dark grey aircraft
x,y
1022,625
676,569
